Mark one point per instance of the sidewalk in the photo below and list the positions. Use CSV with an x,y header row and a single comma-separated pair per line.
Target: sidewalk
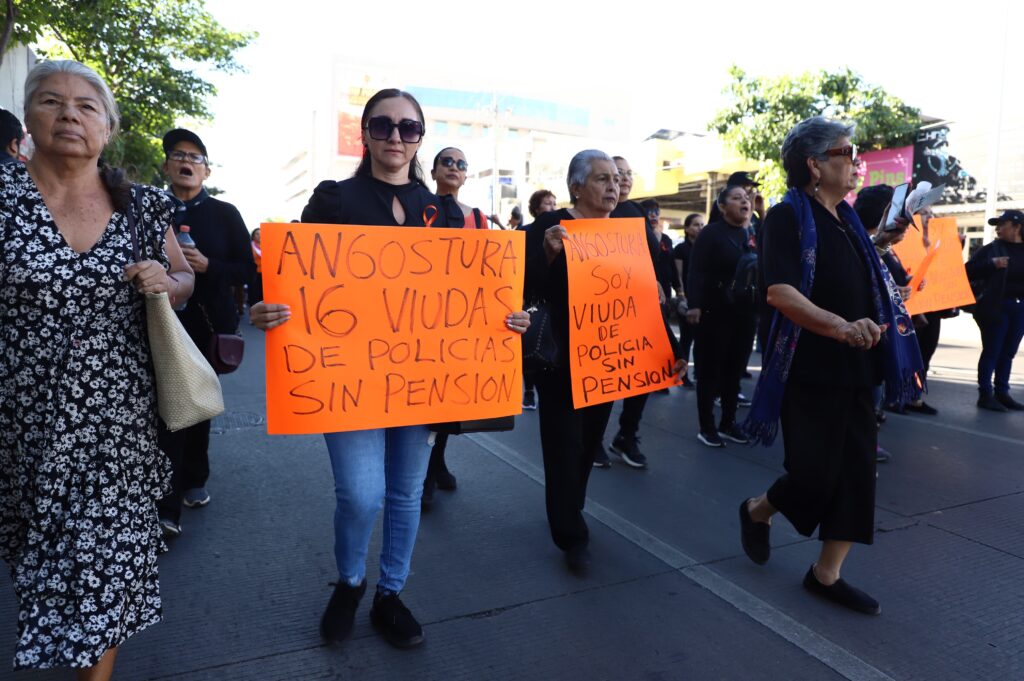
x,y
670,595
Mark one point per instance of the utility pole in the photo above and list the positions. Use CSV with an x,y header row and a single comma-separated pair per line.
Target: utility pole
x,y
995,133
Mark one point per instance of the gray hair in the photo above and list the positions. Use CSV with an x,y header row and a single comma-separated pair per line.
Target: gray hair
x,y
45,69
810,138
580,167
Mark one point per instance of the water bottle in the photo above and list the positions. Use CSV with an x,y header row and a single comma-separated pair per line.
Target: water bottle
x,y
184,240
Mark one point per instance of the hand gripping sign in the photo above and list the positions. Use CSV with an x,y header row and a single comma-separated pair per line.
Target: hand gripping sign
x,y
617,340
391,326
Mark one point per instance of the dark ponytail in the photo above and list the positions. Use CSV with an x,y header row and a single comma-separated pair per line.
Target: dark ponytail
x,y
117,185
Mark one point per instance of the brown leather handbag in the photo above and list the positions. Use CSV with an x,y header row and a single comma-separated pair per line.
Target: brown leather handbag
x,y
224,351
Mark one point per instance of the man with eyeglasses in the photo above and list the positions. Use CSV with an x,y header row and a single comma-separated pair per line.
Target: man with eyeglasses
x,y
221,258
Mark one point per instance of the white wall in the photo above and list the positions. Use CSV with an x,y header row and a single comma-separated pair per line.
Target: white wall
x,y
17,63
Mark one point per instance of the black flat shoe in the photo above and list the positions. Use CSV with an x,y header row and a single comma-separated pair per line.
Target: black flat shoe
x,y
754,536
842,594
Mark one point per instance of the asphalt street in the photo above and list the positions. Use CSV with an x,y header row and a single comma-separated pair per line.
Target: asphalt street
x,y
670,594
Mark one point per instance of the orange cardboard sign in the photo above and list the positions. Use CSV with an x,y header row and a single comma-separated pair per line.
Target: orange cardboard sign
x,y
391,326
617,341
945,282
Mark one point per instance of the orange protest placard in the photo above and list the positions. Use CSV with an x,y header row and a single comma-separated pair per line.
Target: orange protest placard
x,y
617,340
945,282
391,326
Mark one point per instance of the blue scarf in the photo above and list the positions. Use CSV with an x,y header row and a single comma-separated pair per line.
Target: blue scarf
x,y
903,368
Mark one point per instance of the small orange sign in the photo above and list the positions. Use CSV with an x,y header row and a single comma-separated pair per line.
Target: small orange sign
x,y
391,326
617,339
945,279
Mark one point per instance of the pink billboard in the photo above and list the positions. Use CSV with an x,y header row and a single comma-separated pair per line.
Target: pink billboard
x,y
888,166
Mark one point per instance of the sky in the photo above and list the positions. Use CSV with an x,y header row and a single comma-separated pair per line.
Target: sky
x,y
670,60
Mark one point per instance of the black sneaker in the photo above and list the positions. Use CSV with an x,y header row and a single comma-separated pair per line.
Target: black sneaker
x,y
882,455
1008,402
843,594
929,410
742,400
990,403
391,618
628,448
734,433
710,439
601,459
340,615
529,400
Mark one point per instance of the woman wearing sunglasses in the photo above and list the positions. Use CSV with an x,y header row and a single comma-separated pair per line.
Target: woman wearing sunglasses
x,y
839,328
383,467
449,172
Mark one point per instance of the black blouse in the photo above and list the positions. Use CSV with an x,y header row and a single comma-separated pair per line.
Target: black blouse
x,y
980,265
841,286
364,200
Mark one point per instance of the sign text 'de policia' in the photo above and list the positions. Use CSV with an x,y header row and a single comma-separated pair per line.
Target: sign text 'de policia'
x,y
391,326
617,341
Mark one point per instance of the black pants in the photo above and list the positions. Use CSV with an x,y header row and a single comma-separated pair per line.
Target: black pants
x,y
686,333
188,449
569,438
721,347
928,337
830,435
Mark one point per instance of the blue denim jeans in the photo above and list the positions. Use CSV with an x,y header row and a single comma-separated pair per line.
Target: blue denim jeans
x,y
376,469
999,342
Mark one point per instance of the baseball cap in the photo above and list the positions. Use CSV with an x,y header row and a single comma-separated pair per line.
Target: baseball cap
x,y
741,179
1011,215
183,135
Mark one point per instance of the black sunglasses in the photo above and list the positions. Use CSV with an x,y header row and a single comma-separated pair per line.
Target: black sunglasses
x,y
380,128
448,162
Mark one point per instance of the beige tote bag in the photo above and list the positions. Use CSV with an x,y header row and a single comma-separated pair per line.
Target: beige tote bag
x,y
187,389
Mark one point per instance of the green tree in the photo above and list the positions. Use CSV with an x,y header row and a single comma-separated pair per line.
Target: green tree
x,y
762,110
150,52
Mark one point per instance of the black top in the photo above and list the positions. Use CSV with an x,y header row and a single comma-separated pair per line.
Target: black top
x,y
899,275
220,234
365,200
841,286
682,252
980,265
550,282
665,266
713,262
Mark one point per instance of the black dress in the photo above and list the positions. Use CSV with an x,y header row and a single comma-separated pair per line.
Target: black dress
x,y
828,422
80,471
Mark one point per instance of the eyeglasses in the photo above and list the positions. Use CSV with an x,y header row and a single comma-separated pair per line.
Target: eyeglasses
x,y
186,156
849,150
448,162
380,128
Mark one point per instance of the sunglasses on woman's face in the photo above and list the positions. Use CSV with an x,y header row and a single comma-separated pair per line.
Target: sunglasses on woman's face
x,y
380,128
460,164
850,150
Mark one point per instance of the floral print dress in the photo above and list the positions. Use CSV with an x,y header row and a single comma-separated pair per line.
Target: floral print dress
x,y
80,471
